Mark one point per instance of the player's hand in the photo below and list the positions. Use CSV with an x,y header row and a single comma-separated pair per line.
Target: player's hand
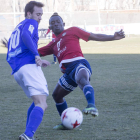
x,y
119,35
45,63
38,60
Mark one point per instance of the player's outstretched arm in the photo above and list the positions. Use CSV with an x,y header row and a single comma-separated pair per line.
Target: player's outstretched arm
x,y
119,35
103,37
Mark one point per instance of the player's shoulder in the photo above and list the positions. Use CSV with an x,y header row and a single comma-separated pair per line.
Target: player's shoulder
x,y
31,21
72,28
80,30
75,28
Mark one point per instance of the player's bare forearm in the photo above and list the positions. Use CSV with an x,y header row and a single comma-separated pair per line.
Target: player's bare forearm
x,y
103,37
46,50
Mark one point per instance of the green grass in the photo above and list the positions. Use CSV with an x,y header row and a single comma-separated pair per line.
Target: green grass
x,y
116,81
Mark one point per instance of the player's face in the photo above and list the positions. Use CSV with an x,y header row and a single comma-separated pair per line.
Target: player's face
x,y
56,25
37,14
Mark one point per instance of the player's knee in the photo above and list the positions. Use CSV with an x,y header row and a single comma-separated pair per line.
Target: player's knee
x,y
82,81
57,97
45,106
42,105
82,77
41,102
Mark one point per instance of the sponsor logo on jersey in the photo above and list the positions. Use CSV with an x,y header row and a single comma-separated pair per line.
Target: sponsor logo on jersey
x,y
14,53
61,51
64,34
31,28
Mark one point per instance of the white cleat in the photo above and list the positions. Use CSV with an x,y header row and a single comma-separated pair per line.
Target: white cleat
x,y
24,137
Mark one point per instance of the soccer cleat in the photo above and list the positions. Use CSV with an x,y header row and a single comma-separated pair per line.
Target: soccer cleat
x,y
91,109
54,62
60,127
24,137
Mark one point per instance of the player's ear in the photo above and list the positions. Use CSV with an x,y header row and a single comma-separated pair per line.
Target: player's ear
x,y
50,27
28,15
63,23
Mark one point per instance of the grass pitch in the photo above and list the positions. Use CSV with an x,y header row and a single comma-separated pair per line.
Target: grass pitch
x,y
116,81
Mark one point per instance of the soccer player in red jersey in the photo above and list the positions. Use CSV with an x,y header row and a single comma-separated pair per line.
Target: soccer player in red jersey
x,y
76,69
53,37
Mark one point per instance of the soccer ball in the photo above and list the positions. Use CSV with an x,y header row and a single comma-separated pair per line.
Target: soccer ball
x,y
71,118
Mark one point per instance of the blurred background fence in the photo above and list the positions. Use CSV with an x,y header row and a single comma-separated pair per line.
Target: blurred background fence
x,y
98,16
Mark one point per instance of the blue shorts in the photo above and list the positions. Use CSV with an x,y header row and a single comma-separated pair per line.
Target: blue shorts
x,y
67,81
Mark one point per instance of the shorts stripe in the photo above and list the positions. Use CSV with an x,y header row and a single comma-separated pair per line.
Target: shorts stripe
x,y
82,67
65,85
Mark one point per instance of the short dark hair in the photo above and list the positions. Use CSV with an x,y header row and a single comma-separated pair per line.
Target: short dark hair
x,y
30,6
54,14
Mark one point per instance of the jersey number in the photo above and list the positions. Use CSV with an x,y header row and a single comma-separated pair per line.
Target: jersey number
x,y
14,39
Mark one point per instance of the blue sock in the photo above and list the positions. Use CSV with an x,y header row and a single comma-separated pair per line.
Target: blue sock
x,y
89,94
35,119
54,58
29,112
61,107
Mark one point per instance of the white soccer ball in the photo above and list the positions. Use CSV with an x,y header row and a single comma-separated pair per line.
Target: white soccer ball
x,y
71,118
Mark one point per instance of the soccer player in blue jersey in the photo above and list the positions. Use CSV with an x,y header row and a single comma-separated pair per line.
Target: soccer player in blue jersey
x,y
26,64
76,68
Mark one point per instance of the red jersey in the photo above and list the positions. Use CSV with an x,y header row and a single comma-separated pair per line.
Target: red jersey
x,y
53,35
66,46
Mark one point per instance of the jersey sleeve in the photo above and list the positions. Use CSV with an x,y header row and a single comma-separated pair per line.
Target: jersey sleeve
x,y
31,26
46,50
30,36
81,33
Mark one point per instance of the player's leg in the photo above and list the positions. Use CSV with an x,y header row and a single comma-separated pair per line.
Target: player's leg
x,y
64,87
36,115
18,77
82,77
58,95
54,58
38,92
35,86
29,112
